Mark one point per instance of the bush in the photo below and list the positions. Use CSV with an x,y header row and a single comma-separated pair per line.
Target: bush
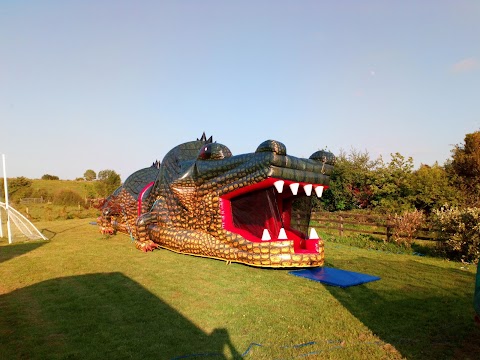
x,y
68,197
460,229
50,177
17,187
406,226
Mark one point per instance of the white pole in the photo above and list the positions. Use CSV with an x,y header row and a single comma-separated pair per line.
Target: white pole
x,y
1,220
1,225
5,187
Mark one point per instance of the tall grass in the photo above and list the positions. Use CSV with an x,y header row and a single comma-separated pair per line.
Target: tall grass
x,y
82,295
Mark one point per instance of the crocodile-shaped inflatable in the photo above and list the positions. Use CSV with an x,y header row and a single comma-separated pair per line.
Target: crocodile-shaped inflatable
x,y
121,209
252,208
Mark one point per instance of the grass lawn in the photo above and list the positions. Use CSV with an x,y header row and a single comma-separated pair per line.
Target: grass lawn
x,y
82,295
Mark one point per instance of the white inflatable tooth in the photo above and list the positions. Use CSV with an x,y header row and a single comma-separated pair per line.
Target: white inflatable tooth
x,y
282,234
294,188
279,185
308,189
266,235
313,234
319,191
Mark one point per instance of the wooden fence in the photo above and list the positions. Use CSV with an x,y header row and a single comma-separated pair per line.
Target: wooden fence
x,y
345,222
39,200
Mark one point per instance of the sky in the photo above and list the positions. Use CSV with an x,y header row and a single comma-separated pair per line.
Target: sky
x,y
116,84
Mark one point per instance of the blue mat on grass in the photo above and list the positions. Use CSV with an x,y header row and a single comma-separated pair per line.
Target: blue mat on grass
x,y
335,277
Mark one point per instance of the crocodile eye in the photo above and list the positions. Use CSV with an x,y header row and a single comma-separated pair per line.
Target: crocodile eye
x,y
214,151
205,152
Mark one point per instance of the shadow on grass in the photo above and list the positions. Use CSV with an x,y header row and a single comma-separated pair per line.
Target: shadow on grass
x,y
14,250
100,316
419,315
50,234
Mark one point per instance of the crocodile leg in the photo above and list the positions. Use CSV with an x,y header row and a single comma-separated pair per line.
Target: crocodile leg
x,y
143,242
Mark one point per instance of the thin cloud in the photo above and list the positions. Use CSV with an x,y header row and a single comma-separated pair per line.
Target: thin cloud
x,y
466,65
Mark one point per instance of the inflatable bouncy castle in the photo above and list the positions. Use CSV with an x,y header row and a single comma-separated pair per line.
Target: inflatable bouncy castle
x,y
201,200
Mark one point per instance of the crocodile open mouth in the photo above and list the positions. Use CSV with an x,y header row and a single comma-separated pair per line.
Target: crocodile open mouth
x,y
273,210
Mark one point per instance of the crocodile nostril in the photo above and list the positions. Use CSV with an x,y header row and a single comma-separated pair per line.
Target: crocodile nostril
x,y
323,156
272,146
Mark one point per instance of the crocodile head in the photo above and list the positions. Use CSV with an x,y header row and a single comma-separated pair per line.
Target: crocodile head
x,y
260,199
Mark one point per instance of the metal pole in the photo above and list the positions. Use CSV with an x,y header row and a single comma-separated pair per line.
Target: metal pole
x,y
5,187
1,225
1,220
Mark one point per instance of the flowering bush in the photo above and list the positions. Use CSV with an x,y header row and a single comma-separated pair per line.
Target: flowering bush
x,y
460,229
405,226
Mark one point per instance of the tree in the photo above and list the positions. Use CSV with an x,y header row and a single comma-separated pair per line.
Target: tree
x,y
50,177
90,175
358,182
18,183
392,184
431,189
464,168
350,182
108,181
17,188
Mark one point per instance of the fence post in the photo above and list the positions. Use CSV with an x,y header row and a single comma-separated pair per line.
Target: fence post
x,y
340,229
389,232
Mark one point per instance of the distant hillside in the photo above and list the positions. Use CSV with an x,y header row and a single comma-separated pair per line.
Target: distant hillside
x,y
86,189
61,199
48,188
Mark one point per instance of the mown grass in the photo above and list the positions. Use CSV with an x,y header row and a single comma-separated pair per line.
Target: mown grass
x,y
82,295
